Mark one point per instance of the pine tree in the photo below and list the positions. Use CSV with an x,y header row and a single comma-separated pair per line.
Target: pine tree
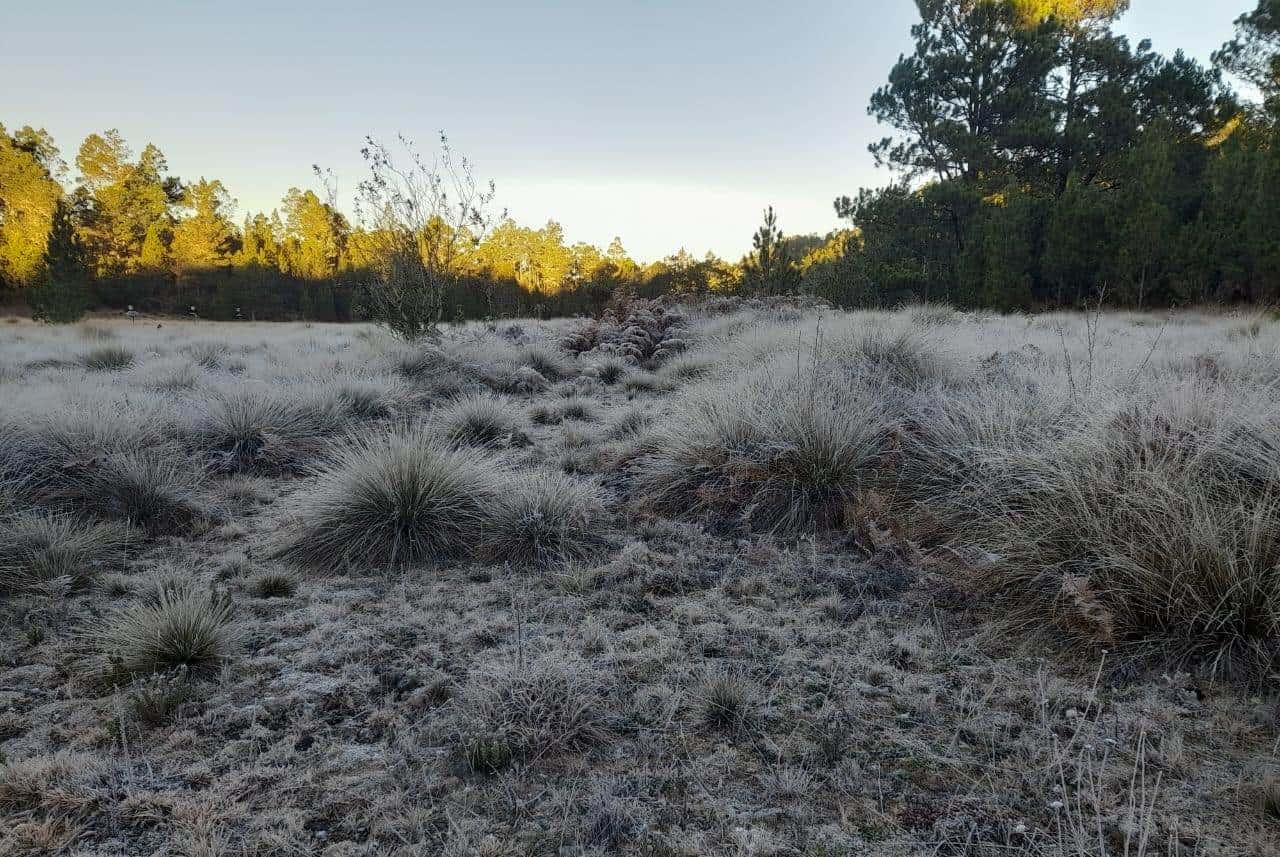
x,y
769,268
61,296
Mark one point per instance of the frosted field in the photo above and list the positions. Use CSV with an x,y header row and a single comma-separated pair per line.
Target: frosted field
x,y
741,578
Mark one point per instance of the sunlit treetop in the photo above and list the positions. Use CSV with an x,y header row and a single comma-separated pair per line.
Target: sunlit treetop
x,y
1069,12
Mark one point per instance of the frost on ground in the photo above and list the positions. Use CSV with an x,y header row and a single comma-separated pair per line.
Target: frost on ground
x,y
737,578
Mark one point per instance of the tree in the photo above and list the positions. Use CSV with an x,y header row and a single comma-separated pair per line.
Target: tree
x,y
1254,54
206,239
769,268
422,219
970,97
29,197
315,236
61,295
122,203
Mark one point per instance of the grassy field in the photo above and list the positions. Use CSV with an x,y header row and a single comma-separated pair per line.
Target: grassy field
x,y
741,578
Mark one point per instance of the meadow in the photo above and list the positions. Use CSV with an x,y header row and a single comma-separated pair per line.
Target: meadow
x,y
746,577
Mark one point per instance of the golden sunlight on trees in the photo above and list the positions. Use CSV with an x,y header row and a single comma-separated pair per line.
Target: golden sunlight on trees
x,y
29,196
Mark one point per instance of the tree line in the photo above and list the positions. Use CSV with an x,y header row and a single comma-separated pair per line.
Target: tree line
x,y
1039,159
1042,159
137,236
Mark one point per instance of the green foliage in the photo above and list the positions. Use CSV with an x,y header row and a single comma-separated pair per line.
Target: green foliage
x,y
1045,160
769,269
1254,54
29,196
61,296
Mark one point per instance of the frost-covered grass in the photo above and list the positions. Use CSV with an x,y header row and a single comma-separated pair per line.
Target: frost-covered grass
x,y
746,578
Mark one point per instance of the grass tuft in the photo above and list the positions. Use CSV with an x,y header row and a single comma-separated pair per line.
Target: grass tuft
x,y
554,704
180,625
545,518
107,358
392,500
273,584
480,420
38,548
769,453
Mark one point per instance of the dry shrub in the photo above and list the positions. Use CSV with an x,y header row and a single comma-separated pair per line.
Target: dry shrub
x,y
545,517
393,500
766,453
180,624
555,703
37,548
632,329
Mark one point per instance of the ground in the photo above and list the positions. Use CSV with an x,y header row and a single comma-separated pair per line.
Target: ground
x,y
680,680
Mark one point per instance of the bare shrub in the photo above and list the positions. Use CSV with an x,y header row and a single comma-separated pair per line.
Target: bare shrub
x,y
419,219
393,500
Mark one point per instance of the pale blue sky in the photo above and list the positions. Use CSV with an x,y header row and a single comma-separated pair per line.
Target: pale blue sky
x,y
668,123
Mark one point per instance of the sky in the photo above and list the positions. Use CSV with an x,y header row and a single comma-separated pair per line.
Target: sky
x,y
670,124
